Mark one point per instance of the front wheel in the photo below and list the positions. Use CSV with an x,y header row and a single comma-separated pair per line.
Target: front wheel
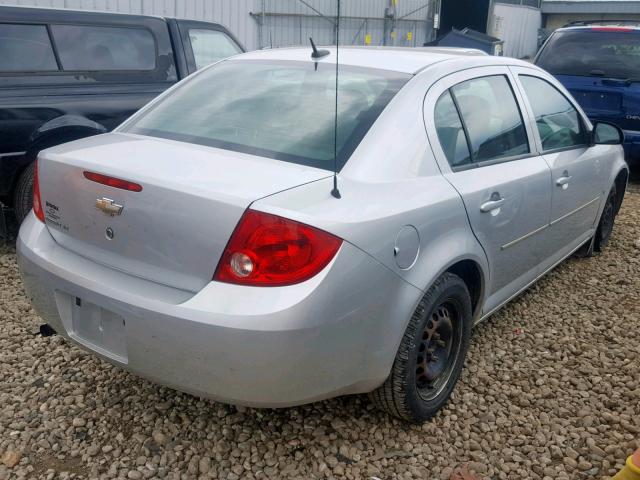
x,y
431,355
607,220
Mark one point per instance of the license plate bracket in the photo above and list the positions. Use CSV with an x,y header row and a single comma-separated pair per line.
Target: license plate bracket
x,y
95,327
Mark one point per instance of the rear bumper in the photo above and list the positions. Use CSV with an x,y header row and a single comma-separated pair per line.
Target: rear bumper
x,y
266,347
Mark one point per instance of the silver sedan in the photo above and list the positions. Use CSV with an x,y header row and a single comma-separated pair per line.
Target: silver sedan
x,y
207,245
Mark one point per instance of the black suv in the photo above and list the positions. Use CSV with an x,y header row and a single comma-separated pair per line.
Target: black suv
x,y
68,74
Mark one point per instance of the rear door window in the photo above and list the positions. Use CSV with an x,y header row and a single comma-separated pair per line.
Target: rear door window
x,y
450,132
98,48
491,117
25,48
558,121
210,46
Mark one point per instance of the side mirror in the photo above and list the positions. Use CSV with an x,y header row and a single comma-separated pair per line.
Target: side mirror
x,y
604,133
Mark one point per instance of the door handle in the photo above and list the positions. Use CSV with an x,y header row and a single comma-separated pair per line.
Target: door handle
x,y
492,204
564,180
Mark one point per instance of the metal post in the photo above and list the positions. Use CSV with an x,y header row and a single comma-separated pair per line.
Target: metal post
x,y
366,30
264,8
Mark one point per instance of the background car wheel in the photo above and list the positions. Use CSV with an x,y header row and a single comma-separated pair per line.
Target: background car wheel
x,y
431,354
23,195
607,219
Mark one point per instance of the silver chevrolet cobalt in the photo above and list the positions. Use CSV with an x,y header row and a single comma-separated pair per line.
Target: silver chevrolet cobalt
x,y
204,245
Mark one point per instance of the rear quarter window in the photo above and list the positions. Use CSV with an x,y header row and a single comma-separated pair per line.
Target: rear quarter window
x,y
25,48
100,48
451,132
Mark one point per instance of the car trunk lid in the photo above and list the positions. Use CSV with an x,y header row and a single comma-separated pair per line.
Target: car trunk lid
x,y
175,229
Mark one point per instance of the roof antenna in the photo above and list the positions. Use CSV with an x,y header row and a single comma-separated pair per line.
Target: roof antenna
x,y
335,192
317,53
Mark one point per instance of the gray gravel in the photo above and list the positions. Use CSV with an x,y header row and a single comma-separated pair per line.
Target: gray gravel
x,y
551,391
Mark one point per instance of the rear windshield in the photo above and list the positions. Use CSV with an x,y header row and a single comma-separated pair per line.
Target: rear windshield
x,y
280,110
599,53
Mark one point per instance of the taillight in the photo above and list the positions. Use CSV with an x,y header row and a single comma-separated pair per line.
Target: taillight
x,y
112,181
268,250
37,201
612,29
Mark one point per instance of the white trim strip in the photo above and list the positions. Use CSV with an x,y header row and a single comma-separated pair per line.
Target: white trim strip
x,y
501,305
557,220
524,237
574,211
11,154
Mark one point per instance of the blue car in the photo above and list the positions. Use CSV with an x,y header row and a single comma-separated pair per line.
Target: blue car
x,y
599,63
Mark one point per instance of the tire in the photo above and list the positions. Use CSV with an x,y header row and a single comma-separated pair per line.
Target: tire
x,y
607,220
23,194
425,371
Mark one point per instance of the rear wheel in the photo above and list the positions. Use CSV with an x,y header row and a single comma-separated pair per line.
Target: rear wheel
x,y
431,354
607,220
23,194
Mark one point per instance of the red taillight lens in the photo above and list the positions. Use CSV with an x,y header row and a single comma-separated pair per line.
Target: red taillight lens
x,y
612,29
267,250
37,201
112,181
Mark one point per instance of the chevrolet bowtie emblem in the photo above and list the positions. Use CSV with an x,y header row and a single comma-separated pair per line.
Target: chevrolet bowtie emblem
x,y
108,206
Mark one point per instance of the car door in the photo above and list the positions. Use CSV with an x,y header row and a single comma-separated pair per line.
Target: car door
x,y
482,142
577,170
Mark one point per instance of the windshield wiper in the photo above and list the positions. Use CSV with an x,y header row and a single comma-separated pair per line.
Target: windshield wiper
x,y
618,81
602,73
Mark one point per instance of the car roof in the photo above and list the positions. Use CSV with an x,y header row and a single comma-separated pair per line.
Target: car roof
x,y
400,59
53,10
601,27
61,13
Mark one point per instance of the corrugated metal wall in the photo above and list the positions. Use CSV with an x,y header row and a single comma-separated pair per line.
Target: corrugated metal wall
x,y
291,22
518,27
285,22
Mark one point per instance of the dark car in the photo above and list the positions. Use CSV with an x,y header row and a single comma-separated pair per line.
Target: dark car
x,y
599,63
68,74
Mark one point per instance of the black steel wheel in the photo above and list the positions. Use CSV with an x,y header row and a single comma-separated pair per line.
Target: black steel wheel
x,y
431,354
438,349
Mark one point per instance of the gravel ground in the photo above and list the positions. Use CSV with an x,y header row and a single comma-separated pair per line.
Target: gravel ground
x,y
551,391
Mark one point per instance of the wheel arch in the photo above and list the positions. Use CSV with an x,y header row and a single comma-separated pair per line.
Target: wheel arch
x,y
62,129
620,183
56,131
65,128
472,274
